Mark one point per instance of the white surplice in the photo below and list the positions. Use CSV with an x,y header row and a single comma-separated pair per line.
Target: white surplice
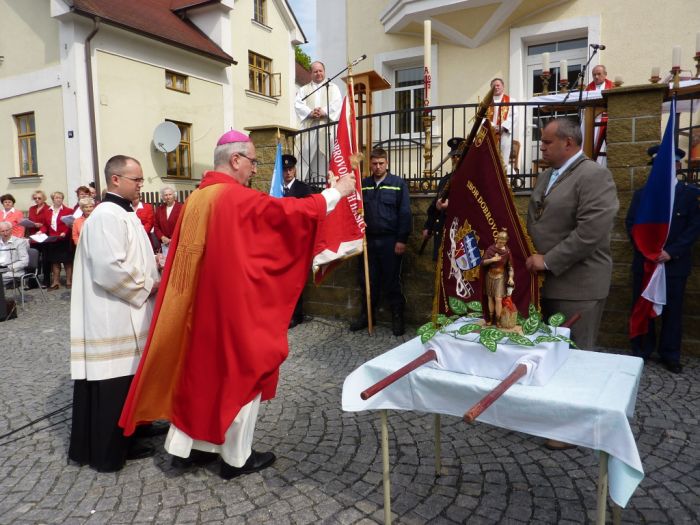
x,y
112,303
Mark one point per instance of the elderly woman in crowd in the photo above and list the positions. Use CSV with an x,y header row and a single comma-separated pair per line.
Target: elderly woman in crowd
x,y
81,192
59,252
166,217
86,205
37,213
40,215
11,215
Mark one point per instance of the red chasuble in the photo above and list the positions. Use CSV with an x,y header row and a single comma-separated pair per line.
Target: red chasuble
x,y
238,262
591,85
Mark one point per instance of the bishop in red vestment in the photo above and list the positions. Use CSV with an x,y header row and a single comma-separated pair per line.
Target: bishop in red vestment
x,y
238,262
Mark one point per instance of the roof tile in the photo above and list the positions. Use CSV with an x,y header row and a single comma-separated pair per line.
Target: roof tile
x,y
155,18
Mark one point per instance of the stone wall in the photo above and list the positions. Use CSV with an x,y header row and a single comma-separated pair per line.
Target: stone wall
x,y
634,124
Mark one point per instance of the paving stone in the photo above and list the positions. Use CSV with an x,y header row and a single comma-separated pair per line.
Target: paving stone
x,y
329,467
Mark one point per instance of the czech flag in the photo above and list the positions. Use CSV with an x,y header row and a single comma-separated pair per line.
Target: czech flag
x,y
650,229
276,184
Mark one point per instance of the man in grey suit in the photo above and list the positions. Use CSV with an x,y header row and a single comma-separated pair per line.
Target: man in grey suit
x,y
569,218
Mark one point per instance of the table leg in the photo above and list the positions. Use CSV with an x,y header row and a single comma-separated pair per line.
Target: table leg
x,y
602,488
438,446
616,512
385,468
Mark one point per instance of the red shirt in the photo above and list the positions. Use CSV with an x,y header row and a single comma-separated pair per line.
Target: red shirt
x,y
164,225
43,216
146,215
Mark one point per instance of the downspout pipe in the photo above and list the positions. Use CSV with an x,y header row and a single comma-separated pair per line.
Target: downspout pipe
x,y
91,106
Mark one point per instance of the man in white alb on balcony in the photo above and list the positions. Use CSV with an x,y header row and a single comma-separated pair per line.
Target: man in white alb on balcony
x,y
314,110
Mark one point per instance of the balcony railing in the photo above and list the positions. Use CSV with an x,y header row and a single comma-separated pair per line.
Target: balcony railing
x,y
400,134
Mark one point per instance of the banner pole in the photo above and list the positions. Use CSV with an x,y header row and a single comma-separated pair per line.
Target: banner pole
x,y
368,290
368,293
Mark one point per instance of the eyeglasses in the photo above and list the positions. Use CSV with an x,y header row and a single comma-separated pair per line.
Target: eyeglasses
x,y
254,162
137,181
38,198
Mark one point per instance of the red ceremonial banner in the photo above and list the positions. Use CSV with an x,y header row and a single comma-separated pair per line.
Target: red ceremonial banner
x,y
342,232
481,204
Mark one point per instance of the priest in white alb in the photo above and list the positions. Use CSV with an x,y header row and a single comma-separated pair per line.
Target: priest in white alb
x,y
114,285
314,110
502,120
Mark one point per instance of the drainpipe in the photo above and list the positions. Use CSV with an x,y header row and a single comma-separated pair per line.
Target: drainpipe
x,y
91,106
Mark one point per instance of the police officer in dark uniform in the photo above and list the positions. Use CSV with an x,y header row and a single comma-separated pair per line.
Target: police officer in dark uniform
x,y
294,188
435,222
388,218
677,259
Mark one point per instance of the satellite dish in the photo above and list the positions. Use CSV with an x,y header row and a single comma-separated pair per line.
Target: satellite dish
x,y
166,137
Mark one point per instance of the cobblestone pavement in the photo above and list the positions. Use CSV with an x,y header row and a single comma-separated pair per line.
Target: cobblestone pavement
x,y
329,463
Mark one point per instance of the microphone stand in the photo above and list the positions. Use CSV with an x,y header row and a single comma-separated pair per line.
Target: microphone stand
x,y
580,81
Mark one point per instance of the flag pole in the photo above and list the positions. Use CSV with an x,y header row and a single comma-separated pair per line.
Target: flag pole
x,y
365,260
462,152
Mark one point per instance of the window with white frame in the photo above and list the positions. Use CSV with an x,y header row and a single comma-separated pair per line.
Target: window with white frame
x,y
409,95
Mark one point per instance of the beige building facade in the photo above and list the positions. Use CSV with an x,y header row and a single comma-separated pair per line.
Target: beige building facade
x,y
474,41
83,81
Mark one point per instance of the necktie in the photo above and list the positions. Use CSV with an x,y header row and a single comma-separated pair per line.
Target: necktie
x,y
552,180
285,191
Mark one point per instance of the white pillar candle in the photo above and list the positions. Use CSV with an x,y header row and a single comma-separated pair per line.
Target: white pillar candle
x,y
676,57
427,37
697,43
655,71
545,62
563,69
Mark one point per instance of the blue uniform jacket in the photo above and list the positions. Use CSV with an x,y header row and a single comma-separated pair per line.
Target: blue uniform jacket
x,y
684,231
387,207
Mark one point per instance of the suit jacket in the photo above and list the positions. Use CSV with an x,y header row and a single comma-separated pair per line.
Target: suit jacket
x,y
41,217
61,227
571,227
164,225
299,189
684,231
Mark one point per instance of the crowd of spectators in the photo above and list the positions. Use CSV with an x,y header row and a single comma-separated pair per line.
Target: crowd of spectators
x,y
53,229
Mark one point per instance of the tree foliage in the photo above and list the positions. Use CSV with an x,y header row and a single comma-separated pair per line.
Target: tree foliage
x,y
302,58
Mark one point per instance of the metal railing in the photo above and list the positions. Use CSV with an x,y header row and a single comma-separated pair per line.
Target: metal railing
x,y
400,134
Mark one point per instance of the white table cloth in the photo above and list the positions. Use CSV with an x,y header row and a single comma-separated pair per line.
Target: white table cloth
x,y
587,402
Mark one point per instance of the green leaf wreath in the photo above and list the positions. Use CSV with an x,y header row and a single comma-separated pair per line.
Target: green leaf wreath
x,y
533,326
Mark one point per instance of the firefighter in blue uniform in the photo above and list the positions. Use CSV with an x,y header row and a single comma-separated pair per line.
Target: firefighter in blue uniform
x,y
677,257
388,217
